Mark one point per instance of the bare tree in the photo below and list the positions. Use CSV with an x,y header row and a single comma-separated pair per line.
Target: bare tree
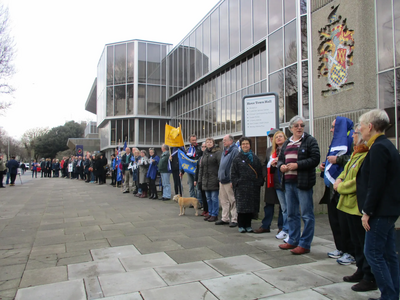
x,y
29,138
7,54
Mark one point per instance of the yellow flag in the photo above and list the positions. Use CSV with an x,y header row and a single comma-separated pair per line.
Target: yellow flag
x,y
173,136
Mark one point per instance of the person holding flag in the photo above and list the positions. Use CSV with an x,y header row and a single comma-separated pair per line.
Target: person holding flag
x,y
152,173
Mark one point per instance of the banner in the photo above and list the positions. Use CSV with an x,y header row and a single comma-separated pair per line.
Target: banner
x,y
186,164
173,136
79,150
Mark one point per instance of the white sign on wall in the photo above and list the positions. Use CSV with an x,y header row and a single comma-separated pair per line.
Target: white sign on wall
x,y
260,114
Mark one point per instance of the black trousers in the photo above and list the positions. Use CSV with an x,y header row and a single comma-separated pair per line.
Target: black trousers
x,y
340,228
204,198
1,178
244,219
143,186
152,185
357,233
12,178
177,182
114,177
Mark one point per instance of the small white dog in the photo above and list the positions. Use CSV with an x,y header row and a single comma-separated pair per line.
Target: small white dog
x,y
186,202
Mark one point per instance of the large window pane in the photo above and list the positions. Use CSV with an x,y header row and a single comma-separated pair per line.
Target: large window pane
x,y
257,73
239,100
215,39
119,132
120,64
142,62
263,63
163,65
141,99
192,52
110,65
276,86
397,31
132,131
130,61
113,132
110,101
259,19
130,99
275,53
386,99
120,100
141,131
153,100
206,46
224,42
250,70
156,133
153,63
185,61
305,100
233,112
234,36
163,101
274,14
304,46
290,10
149,130
125,129
303,6
228,117
244,73
291,92
290,43
385,31
199,52
245,24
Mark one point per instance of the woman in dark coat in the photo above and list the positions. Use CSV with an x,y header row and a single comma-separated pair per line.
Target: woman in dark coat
x,y
152,173
247,179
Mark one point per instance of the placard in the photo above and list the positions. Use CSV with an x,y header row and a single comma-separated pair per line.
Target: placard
x,y
260,114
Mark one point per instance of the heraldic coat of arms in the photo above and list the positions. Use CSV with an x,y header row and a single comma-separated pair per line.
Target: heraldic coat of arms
x,y
336,53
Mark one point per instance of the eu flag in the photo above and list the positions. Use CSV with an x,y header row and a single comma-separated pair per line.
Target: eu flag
x,y
186,164
79,150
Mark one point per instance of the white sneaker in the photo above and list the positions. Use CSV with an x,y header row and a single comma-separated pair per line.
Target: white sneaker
x,y
335,254
281,235
286,239
346,260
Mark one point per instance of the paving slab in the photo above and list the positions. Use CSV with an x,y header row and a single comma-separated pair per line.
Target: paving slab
x,y
189,272
192,255
292,278
160,246
192,291
300,295
236,265
65,290
93,288
146,261
330,269
251,287
130,296
95,268
343,291
114,252
43,276
130,282
12,272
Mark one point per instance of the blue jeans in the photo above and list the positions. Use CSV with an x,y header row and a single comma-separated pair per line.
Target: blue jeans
x,y
193,191
212,201
380,251
166,185
269,210
282,201
303,198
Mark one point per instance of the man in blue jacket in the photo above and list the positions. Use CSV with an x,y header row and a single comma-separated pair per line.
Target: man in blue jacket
x,y
12,165
226,195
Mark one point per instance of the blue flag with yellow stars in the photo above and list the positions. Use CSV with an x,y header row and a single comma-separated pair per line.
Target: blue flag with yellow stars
x,y
186,164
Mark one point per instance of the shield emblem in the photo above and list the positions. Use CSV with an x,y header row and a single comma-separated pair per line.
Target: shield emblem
x,y
337,76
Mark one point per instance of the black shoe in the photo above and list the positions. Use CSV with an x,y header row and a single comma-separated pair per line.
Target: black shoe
x,y
126,192
2,187
232,224
165,199
151,196
220,222
356,277
155,197
364,286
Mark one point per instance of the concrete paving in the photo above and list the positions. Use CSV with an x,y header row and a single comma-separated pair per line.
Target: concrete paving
x,y
66,239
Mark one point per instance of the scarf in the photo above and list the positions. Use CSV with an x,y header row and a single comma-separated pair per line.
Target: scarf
x,y
191,151
249,155
372,139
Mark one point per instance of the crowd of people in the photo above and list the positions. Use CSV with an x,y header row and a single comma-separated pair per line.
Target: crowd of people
x,y
360,173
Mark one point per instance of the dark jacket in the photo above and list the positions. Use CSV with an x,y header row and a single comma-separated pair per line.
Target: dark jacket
x,y
198,150
125,164
224,171
378,180
196,174
175,159
270,195
308,158
43,165
208,173
12,165
246,182
163,163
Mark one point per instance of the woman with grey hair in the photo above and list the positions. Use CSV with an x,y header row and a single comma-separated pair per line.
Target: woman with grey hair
x,y
345,185
379,202
143,168
297,161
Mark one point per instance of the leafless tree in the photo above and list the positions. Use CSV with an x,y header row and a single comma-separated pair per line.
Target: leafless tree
x,y
7,55
29,138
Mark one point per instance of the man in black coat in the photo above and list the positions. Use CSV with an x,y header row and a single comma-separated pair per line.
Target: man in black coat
x,y
43,168
125,161
12,165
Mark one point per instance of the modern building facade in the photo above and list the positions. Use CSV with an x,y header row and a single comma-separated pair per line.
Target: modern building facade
x,y
323,58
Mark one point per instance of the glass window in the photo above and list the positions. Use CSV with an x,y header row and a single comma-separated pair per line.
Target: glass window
x,y
245,24
386,99
276,86
153,100
234,36
233,111
250,70
199,52
257,75
120,64
215,39
290,43
125,130
274,14
141,131
130,61
239,100
141,99
130,99
156,132
149,130
186,62
238,76
275,53
233,80
192,57
181,57
206,46
397,30
224,32
113,132
142,62
214,112
303,6
153,63
110,101
305,101
175,72
263,63
119,131
228,117
162,130
259,19
110,65
290,10
132,131
120,100
385,38
164,101
304,47
291,94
